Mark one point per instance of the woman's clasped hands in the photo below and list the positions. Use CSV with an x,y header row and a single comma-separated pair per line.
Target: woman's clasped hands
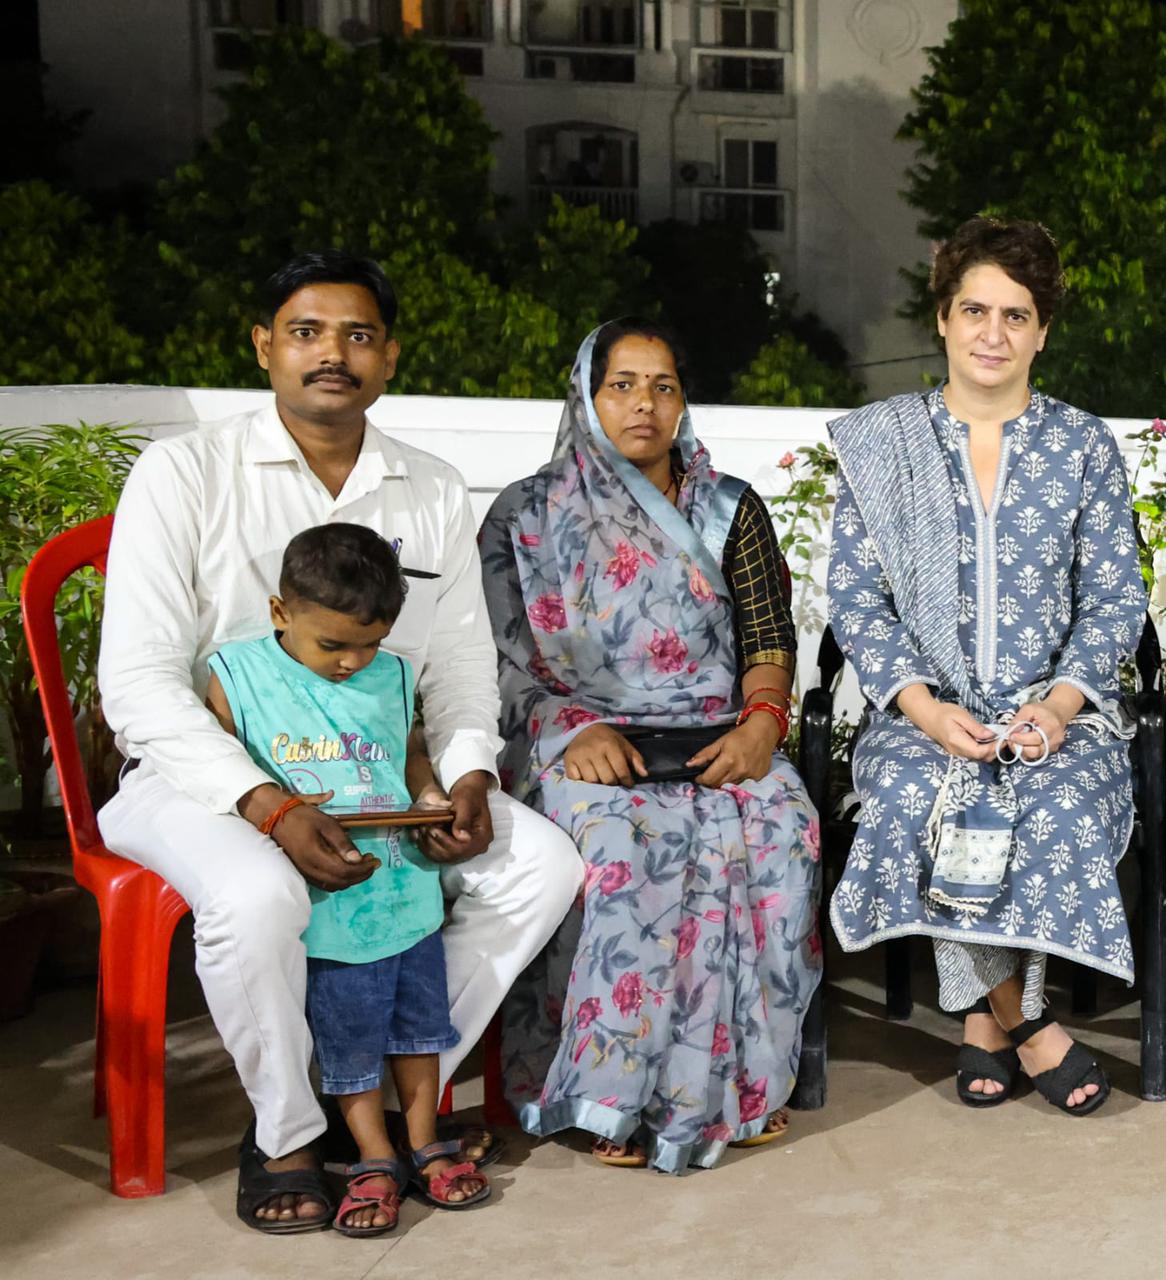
x,y
1035,731
601,754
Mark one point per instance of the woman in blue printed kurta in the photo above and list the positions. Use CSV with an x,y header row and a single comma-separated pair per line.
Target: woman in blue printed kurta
x,y
1036,587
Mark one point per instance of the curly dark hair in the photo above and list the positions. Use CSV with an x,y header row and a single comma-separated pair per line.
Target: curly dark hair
x,y
1024,251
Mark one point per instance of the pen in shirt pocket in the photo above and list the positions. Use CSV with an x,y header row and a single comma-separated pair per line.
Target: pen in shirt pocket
x,y
395,543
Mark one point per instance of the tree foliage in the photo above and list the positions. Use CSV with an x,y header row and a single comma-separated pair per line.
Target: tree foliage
x,y
583,268
710,282
377,149
321,143
786,372
1056,110
58,319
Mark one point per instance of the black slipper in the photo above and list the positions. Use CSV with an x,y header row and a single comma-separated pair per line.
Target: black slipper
x,y
258,1185
974,1063
1075,1070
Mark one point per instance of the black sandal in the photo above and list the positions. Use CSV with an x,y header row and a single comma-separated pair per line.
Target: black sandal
x,y
973,1063
1076,1069
258,1185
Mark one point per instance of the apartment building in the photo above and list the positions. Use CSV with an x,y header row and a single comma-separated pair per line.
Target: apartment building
x,y
776,115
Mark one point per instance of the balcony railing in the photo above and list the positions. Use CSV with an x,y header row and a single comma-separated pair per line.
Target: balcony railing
x,y
740,73
756,208
614,202
591,67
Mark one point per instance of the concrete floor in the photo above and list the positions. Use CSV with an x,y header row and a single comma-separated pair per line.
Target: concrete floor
x,y
892,1179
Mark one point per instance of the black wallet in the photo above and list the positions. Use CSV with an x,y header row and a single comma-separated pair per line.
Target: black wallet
x,y
666,752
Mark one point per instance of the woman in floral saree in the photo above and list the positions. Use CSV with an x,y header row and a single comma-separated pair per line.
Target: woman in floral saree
x,y
630,585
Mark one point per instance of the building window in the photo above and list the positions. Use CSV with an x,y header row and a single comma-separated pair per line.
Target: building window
x,y
749,163
571,23
435,19
748,195
258,15
584,165
740,75
753,24
232,21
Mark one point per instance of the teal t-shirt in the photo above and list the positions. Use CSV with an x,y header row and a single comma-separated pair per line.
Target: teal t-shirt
x,y
312,734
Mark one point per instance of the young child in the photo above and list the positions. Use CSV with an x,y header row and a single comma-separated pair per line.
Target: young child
x,y
327,713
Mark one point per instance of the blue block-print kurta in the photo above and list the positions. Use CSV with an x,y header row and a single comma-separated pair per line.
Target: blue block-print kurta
x,y
1049,591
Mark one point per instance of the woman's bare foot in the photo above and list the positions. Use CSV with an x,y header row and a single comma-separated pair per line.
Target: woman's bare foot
x,y
983,1031
284,1208
628,1153
1045,1051
778,1121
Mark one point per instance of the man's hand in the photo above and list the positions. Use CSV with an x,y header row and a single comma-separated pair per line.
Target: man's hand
x,y
744,752
317,845
472,829
602,754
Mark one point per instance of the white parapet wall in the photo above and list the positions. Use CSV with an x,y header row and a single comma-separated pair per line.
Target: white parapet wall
x,y
491,442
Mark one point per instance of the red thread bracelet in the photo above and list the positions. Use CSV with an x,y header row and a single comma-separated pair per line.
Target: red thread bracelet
x,y
268,825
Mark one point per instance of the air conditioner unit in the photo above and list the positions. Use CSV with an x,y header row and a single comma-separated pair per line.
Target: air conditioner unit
x,y
552,68
697,173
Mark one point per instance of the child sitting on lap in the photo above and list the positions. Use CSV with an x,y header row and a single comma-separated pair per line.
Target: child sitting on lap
x,y
327,713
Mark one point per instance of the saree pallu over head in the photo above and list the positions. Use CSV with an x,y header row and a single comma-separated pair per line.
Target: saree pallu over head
x,y
607,602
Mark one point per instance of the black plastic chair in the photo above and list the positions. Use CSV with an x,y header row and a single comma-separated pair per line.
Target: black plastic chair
x,y
1149,840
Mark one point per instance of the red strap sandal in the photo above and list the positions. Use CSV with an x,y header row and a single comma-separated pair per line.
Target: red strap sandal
x,y
357,1197
437,1186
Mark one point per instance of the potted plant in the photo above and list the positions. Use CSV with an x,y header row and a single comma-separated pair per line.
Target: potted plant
x,y
51,478
32,906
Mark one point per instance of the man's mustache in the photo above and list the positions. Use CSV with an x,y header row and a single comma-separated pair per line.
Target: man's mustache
x,y
331,371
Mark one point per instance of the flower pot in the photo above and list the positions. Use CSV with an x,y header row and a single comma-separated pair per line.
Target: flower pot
x,y
29,906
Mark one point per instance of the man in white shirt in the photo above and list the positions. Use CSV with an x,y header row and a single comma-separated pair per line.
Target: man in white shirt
x,y
200,530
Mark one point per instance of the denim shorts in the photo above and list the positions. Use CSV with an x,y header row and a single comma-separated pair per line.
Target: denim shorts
x,y
362,1013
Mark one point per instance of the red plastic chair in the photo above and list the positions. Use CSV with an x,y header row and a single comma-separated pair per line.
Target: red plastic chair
x,y
495,1110
138,909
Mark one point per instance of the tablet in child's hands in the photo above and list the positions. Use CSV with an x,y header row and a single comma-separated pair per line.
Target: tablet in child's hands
x,y
392,815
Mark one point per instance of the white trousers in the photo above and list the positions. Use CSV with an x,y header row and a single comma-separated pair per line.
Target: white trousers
x,y
250,906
